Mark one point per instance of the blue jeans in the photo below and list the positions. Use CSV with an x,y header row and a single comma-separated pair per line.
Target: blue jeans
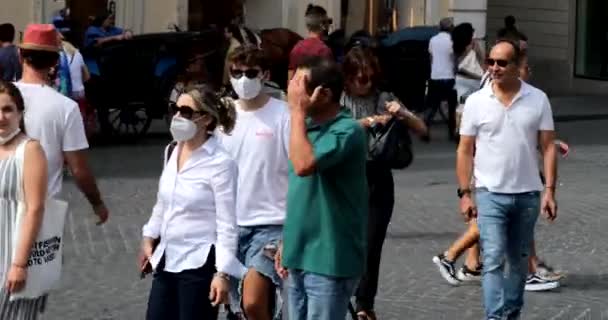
x,y
313,296
506,226
251,253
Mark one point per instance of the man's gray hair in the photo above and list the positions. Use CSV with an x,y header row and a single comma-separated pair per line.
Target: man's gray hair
x,y
446,24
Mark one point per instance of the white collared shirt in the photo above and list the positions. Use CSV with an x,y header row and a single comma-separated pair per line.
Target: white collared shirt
x,y
195,209
506,155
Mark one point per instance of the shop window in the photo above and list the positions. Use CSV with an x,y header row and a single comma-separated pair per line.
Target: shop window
x,y
591,56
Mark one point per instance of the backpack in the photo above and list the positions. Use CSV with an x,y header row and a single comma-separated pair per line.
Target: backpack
x,y
64,78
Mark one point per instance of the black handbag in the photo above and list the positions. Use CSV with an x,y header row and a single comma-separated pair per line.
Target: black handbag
x,y
391,145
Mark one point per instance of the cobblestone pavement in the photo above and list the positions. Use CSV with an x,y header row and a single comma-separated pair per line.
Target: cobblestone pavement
x,y
101,279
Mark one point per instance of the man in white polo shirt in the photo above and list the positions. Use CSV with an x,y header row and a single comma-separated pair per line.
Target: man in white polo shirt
x,y
502,127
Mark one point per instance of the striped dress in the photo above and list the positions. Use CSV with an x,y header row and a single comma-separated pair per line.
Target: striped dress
x,y
9,184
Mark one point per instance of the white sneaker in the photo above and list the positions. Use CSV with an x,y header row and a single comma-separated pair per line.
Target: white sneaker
x,y
536,282
446,269
466,275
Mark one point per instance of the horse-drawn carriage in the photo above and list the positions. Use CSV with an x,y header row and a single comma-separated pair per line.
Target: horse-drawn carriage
x,y
133,79
406,64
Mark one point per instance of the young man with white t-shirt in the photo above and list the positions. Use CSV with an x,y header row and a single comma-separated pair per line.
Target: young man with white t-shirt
x,y
259,143
502,126
54,119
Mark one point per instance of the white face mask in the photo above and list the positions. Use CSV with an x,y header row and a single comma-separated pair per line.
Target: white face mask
x,y
5,139
246,88
182,129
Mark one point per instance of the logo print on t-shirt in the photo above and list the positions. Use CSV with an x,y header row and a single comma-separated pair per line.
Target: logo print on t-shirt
x,y
264,133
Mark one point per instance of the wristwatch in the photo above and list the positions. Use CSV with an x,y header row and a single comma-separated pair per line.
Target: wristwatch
x,y
462,192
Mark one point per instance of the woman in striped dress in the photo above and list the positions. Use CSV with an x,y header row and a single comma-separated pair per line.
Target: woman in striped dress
x,y
18,152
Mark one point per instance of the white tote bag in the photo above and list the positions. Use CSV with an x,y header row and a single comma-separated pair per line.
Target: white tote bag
x,y
44,264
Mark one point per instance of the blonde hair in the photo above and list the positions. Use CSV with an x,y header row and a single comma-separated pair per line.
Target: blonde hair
x,y
208,101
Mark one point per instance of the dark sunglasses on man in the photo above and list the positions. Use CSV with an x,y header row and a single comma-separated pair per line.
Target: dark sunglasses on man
x,y
184,112
249,73
500,62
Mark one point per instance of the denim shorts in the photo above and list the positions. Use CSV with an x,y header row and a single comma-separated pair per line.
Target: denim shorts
x,y
252,241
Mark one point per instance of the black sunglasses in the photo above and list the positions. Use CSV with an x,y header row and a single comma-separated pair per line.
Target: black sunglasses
x,y
184,112
249,73
501,63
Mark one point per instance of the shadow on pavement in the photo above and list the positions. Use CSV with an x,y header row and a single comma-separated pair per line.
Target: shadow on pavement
x,y
587,282
423,235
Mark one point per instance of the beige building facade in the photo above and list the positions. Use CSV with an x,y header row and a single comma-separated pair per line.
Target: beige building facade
x,y
568,41
264,14
145,16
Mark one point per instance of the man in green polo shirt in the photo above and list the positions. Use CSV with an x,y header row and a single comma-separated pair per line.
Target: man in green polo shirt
x,y
324,248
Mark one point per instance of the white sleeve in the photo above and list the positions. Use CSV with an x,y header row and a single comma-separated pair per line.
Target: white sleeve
x,y
224,190
546,117
286,131
78,60
468,122
152,228
74,137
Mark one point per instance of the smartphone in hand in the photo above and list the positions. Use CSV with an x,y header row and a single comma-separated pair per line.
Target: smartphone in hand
x,y
146,269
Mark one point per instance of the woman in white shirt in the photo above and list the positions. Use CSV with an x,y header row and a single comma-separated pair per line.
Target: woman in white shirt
x,y
470,66
194,219
469,60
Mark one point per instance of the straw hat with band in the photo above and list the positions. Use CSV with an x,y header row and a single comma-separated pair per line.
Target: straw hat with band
x,y
41,37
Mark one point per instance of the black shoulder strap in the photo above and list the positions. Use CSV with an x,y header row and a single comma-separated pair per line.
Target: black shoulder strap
x,y
169,150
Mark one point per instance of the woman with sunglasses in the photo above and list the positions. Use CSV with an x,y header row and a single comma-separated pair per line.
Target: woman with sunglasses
x,y
190,240
372,107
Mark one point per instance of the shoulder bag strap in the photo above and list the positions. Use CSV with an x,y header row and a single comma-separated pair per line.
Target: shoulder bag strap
x,y
168,151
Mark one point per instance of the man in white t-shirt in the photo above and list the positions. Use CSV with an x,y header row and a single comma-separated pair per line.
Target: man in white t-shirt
x,y
443,75
259,144
502,127
54,119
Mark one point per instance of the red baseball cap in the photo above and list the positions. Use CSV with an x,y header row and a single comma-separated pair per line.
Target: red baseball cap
x,y
40,37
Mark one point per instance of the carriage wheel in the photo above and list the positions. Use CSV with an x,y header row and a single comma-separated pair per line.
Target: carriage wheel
x,y
131,120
